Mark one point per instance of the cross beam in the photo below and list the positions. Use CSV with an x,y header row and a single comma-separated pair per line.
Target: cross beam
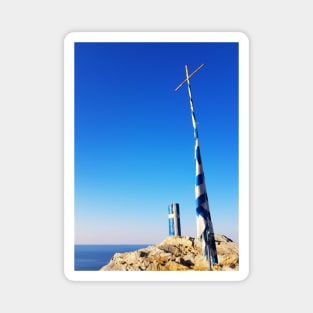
x,y
188,76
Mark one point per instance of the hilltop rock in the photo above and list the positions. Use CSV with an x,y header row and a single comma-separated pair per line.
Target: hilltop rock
x,y
176,253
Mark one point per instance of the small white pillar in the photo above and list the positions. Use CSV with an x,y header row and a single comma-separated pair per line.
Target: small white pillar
x,y
174,220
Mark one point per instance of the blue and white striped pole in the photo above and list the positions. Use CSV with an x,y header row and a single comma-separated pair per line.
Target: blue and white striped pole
x,y
205,230
174,220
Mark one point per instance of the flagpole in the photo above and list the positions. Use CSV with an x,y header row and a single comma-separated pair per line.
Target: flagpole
x,y
205,230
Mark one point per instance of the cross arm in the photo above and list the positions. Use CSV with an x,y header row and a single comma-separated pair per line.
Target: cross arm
x,y
188,77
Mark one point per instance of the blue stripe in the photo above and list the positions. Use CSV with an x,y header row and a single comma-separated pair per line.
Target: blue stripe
x,y
198,155
212,245
202,212
199,179
170,209
171,230
202,199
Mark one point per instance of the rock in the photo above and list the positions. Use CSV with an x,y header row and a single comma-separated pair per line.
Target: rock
x,y
176,253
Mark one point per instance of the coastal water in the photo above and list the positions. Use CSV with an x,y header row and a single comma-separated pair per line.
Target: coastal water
x,y
93,257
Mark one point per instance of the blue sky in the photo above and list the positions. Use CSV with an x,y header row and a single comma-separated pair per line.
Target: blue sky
x,y
134,143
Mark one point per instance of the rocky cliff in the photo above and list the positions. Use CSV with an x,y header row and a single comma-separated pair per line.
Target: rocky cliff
x,y
176,253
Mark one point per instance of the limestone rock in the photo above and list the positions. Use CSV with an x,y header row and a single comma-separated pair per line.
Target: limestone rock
x,y
176,253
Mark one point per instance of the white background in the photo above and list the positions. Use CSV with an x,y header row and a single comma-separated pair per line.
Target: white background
x,y
31,155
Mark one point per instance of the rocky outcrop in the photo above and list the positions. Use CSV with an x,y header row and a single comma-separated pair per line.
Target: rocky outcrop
x,y
176,253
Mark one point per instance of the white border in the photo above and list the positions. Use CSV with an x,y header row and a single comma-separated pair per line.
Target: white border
x,y
69,42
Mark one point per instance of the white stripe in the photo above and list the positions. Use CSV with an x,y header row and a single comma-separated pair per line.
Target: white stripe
x,y
200,190
199,169
189,91
200,225
193,121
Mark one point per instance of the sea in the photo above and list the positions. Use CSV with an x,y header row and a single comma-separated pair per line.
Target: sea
x,y
93,257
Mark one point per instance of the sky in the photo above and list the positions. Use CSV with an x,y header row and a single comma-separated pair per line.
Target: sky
x,y
134,140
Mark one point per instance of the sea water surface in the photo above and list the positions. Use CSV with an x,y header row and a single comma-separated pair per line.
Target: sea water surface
x,y
93,257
